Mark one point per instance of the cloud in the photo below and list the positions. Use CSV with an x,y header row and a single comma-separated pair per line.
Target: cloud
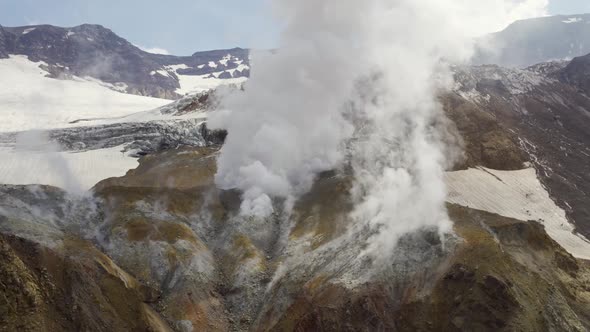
x,y
153,50
502,13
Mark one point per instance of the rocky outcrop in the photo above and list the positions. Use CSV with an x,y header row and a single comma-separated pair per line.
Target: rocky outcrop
x,y
549,117
484,285
577,73
71,288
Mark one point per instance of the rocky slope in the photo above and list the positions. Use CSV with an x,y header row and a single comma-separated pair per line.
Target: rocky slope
x,y
577,73
73,288
546,107
168,242
94,51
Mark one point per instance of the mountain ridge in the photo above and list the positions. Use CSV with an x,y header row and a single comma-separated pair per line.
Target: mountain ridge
x,y
95,51
536,40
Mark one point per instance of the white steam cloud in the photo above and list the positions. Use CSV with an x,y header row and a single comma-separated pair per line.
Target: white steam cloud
x,y
288,125
39,143
356,79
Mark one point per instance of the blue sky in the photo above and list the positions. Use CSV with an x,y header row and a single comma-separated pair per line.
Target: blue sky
x,y
179,26
569,6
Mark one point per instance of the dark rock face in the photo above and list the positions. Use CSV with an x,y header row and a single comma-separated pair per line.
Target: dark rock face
x,y
5,43
577,73
141,137
95,51
242,73
91,50
225,75
528,42
144,138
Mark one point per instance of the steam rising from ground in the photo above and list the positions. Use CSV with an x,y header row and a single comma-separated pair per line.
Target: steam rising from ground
x,y
358,79
288,125
39,142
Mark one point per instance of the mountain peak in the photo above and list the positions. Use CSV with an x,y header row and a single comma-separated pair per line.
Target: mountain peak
x,y
92,50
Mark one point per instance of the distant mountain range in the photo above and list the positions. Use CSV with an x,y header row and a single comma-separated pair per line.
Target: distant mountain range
x,y
528,42
95,51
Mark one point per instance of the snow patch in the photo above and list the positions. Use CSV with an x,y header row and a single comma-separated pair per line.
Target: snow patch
x,y
119,86
154,50
164,113
572,20
516,81
176,67
515,194
28,30
30,100
198,83
88,168
240,68
225,60
163,73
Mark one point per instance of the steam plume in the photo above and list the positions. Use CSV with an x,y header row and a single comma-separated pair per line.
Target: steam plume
x,y
38,142
288,125
364,74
